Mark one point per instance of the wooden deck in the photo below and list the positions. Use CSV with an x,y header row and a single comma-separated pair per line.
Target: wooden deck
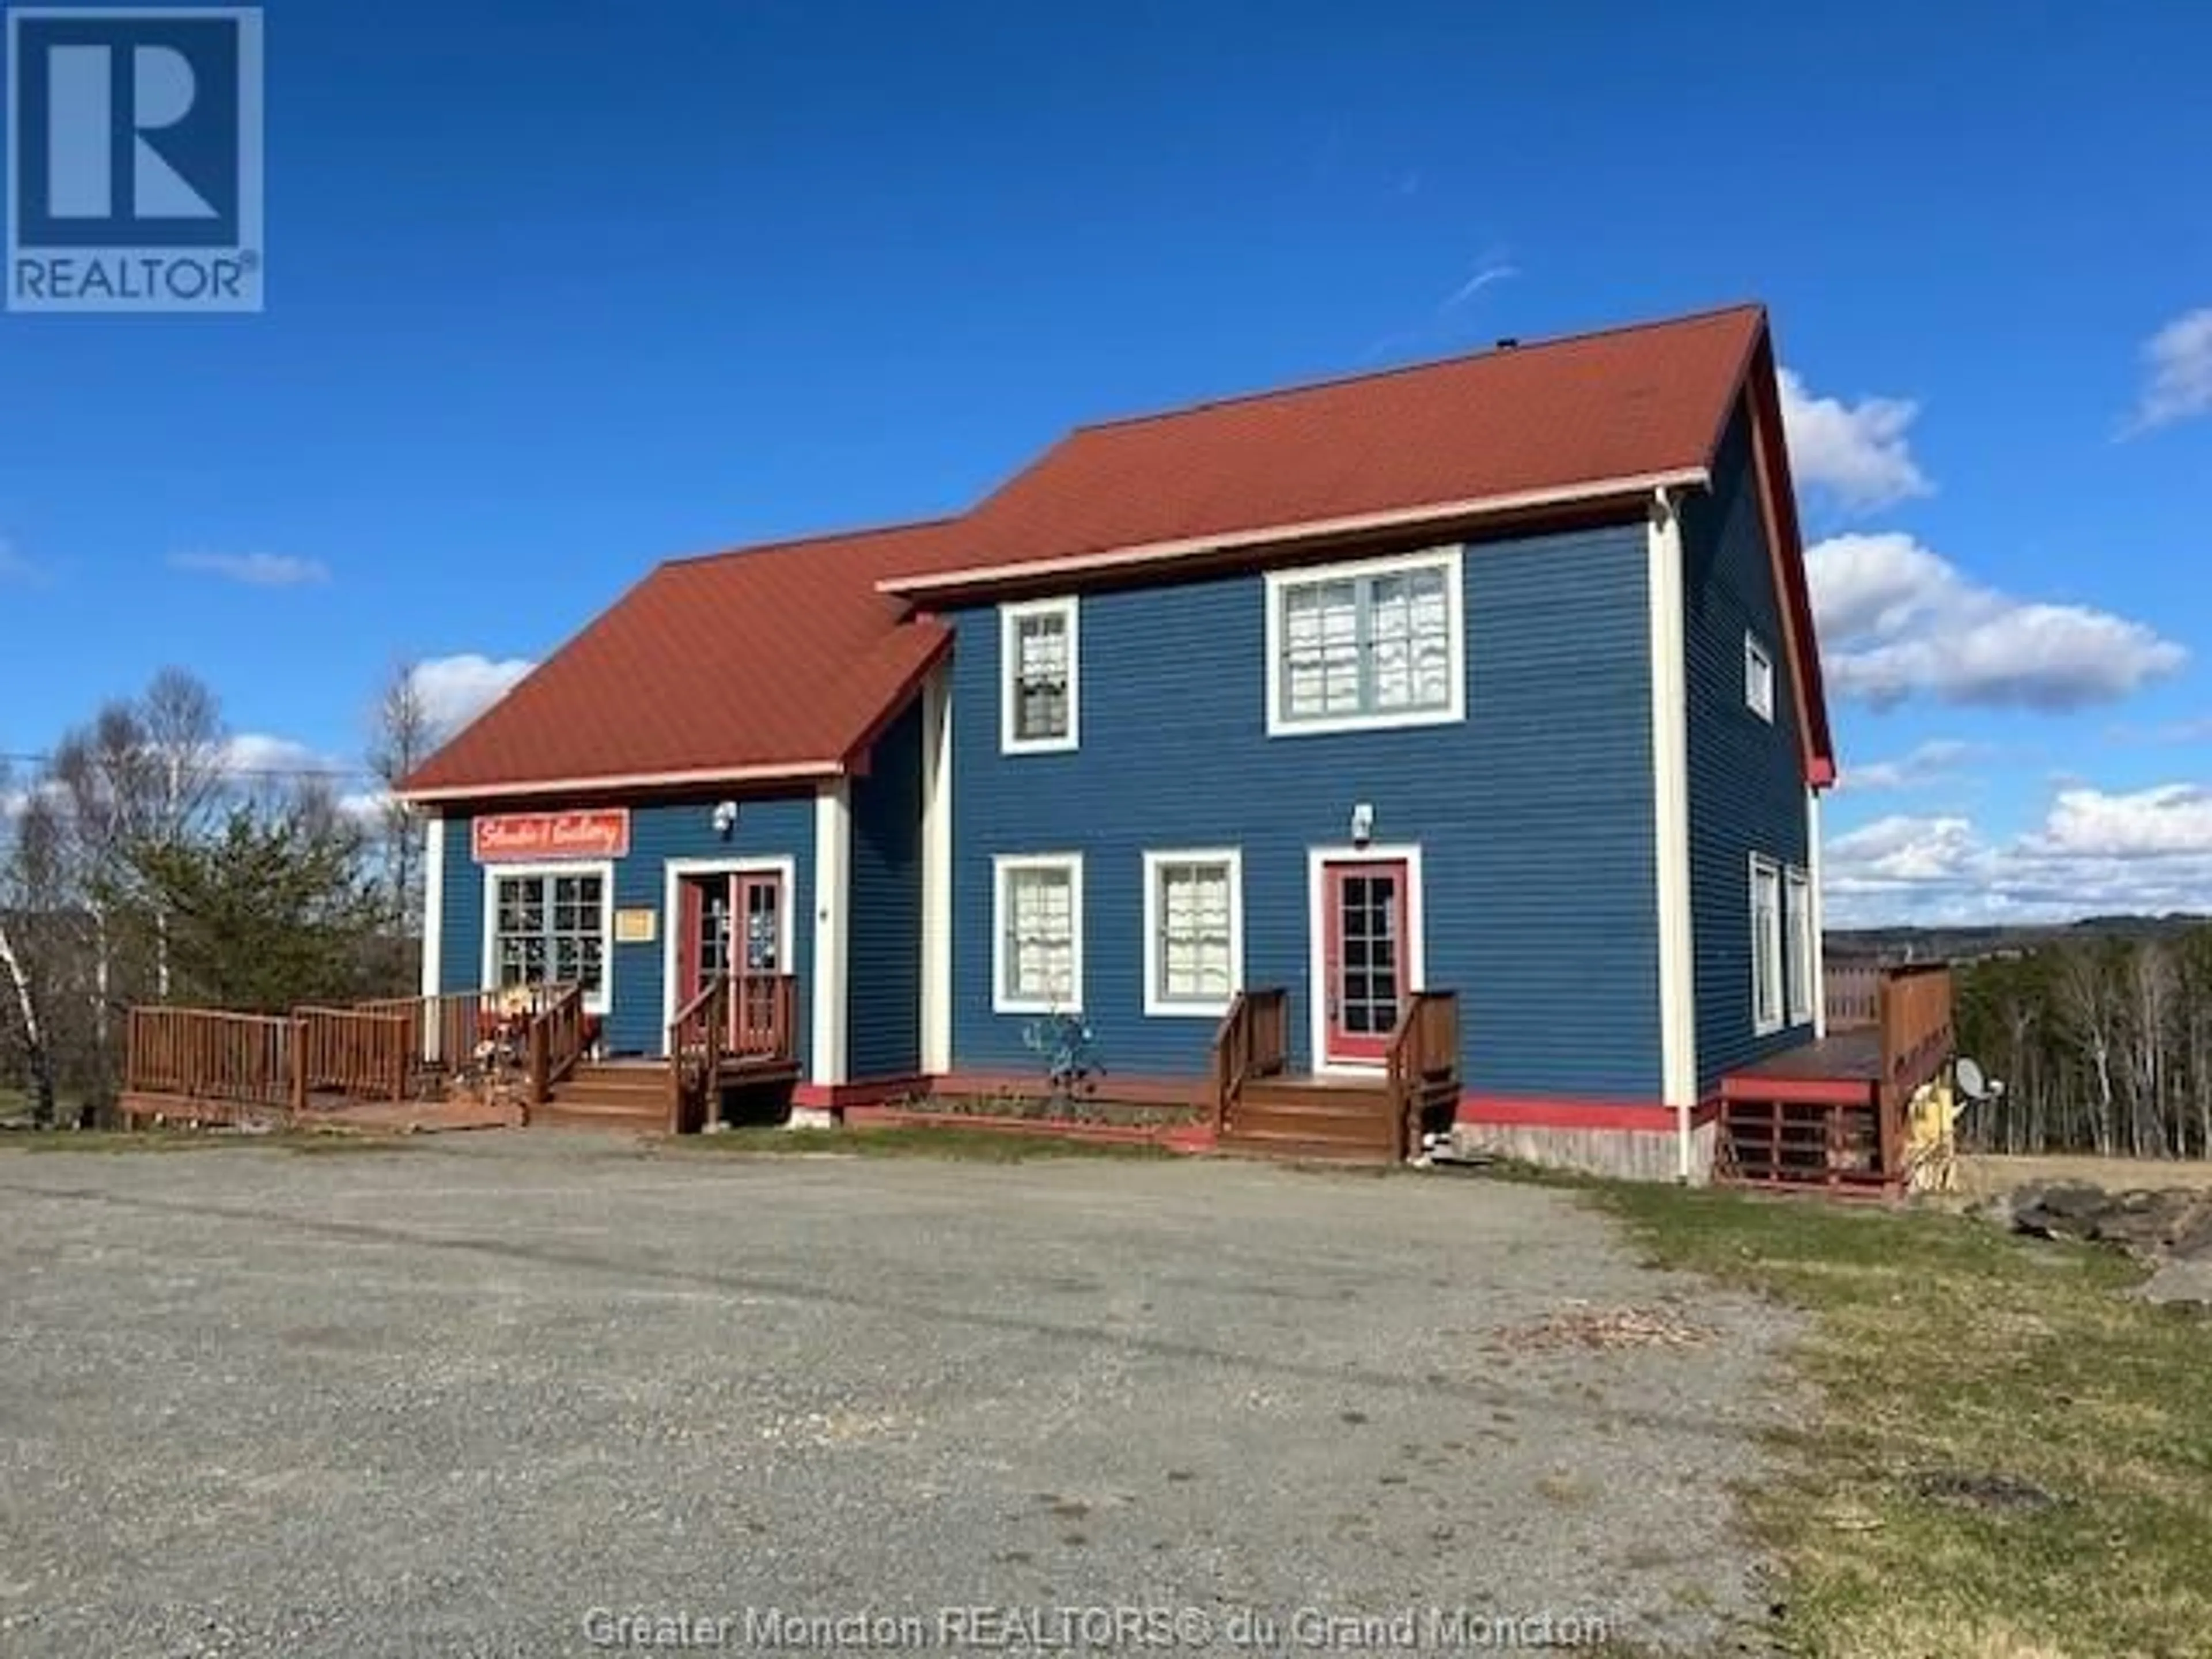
x,y
1830,1112
467,1060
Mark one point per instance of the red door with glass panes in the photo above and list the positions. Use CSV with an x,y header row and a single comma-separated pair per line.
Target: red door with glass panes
x,y
733,924
1365,959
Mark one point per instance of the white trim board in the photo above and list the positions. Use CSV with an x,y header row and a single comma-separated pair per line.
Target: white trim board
x,y
602,1004
434,906
1670,808
1158,1006
1288,535
833,908
782,864
1416,960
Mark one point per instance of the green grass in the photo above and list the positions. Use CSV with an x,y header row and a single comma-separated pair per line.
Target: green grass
x,y
1945,1346
913,1140
109,1143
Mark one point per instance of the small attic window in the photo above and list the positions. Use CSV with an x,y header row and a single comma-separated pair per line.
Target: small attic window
x,y
1758,679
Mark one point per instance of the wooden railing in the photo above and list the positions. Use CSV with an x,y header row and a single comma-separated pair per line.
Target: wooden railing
x,y
1918,1041
1853,993
1252,1040
354,1051
445,1032
557,1040
205,1054
697,1038
1423,1066
766,1004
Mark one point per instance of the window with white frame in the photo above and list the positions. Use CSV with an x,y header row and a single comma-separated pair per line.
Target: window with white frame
x,y
550,927
1037,958
1798,931
1767,953
1376,643
1758,679
1193,932
1038,652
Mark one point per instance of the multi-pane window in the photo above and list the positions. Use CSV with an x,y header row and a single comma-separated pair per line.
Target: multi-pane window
x,y
1194,924
1758,679
1039,934
1798,928
550,929
1038,645
1766,949
1378,642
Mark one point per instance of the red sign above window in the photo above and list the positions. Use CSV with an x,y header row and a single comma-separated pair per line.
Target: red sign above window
x,y
516,837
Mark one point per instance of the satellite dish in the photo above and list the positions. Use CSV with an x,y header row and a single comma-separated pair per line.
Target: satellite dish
x,y
1972,1083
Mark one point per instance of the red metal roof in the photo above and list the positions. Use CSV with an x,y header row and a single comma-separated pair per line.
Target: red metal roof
x,y
1584,415
779,660
785,661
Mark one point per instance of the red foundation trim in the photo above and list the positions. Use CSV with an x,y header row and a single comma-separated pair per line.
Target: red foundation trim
x,y
863,1091
1799,1091
1554,1112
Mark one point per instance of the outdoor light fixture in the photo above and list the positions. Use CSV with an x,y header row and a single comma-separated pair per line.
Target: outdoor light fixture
x,y
1363,824
726,818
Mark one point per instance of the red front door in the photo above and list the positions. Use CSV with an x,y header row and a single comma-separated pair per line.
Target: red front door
x,y
733,924
1364,956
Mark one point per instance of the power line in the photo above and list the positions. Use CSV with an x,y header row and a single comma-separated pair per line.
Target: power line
x,y
296,773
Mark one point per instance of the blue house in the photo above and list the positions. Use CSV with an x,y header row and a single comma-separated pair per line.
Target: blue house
x,y
1472,707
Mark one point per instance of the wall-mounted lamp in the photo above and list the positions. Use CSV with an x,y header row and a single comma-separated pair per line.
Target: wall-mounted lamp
x,y
1363,824
726,818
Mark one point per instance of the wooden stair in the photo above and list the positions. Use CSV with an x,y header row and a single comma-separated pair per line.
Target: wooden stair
x,y
628,1097
1347,1120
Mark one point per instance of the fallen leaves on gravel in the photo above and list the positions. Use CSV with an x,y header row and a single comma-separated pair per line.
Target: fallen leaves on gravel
x,y
1580,1326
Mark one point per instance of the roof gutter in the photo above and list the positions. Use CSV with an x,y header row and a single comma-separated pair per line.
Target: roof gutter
x,y
791,773
1634,487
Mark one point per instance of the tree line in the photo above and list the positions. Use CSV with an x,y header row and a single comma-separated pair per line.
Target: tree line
x,y
139,863
2104,1045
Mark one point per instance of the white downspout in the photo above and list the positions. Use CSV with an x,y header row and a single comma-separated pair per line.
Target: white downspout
x,y
1818,920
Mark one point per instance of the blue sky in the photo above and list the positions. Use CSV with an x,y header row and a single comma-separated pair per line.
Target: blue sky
x,y
556,290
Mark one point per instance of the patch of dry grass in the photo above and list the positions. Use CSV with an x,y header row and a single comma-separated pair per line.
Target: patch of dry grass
x,y
1945,1348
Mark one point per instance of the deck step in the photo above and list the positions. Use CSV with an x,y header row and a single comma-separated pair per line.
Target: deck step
x,y
1305,1148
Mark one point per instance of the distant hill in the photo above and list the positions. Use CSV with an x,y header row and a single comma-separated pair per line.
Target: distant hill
x,y
1959,944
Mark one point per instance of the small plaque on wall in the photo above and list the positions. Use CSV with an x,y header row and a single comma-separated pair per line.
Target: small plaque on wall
x,y
636,926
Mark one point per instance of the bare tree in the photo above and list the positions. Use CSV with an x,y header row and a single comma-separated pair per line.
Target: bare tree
x,y
402,734
2089,1005
2151,986
145,773
30,835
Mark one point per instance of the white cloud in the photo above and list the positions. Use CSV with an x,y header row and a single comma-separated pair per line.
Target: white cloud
x,y
2095,852
455,690
1857,454
1933,761
254,569
2177,367
261,754
1898,620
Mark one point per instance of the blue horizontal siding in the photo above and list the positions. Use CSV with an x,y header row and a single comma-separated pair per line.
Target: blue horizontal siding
x,y
1535,815
767,827
1746,777
884,998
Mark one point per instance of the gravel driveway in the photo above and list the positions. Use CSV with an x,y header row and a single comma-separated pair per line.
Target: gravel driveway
x,y
534,1396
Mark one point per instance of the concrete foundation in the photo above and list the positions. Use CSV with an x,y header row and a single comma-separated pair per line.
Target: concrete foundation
x,y
815,1117
1627,1154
